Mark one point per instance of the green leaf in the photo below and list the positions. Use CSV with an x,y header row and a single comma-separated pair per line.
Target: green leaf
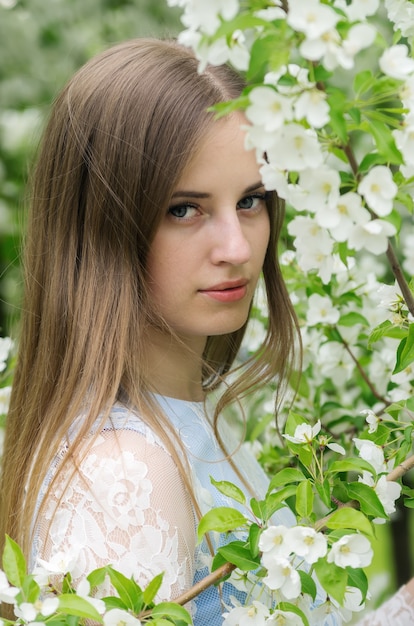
x,y
405,351
363,81
129,592
75,605
332,578
369,502
275,501
254,537
97,576
304,499
308,584
222,519
14,563
349,518
288,607
240,556
286,476
357,578
353,464
267,53
384,141
229,490
324,492
351,319
171,610
152,588
386,329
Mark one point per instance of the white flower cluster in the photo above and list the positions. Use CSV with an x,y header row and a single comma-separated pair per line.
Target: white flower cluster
x,y
387,491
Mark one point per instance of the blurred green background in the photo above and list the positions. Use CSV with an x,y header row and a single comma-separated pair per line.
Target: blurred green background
x,y
42,43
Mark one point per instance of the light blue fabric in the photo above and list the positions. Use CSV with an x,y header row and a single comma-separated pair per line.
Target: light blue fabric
x,y
206,459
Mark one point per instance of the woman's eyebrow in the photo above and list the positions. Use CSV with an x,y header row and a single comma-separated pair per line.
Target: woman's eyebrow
x,y
201,194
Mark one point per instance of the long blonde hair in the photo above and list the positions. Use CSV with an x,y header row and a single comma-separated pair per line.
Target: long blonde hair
x,y
118,139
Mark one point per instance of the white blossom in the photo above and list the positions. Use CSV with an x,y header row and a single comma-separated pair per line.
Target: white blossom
x,y
369,451
388,491
351,551
349,212
268,108
206,16
5,393
7,592
83,590
255,335
404,140
282,575
6,345
334,362
408,252
311,105
284,618
274,541
358,10
372,420
60,563
254,615
304,433
311,17
119,617
395,62
319,188
321,310
372,235
401,14
308,543
379,189
295,148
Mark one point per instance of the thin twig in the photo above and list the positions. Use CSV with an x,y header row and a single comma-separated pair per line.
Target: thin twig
x,y
362,372
401,280
401,469
202,585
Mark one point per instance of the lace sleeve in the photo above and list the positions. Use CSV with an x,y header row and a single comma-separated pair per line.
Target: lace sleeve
x,y
125,506
397,611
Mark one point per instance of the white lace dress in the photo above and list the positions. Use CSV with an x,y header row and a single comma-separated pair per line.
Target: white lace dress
x,y
127,506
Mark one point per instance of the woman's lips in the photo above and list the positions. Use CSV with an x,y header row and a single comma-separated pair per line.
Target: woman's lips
x,y
229,291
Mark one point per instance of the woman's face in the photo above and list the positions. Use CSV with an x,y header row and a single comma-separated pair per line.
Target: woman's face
x,y
208,252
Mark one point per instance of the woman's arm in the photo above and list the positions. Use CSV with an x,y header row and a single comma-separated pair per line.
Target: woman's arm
x,y
127,506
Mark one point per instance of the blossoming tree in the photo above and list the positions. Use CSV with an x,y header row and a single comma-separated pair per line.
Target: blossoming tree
x,y
330,106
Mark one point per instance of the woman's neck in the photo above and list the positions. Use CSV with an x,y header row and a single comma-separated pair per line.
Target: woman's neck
x,y
175,367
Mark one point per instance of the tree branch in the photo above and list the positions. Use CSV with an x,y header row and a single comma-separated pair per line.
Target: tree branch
x,y
401,469
401,280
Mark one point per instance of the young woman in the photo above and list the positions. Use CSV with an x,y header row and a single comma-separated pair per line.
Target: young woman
x,y
148,231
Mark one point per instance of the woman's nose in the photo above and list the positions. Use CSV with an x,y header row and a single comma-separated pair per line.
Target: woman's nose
x,y
229,242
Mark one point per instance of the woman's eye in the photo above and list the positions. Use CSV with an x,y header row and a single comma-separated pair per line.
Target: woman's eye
x,y
251,202
182,211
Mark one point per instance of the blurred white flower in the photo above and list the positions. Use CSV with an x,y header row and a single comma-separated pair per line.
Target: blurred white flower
x,y
311,105
395,62
284,618
6,345
60,563
255,335
83,590
334,362
118,617
4,399
274,179
372,420
401,15
7,592
358,10
206,16
321,310
351,551
268,108
320,188
372,236
379,189
282,575
404,139
369,451
349,211
304,433
311,17
28,611
274,541
254,615
408,252
295,148
388,492
308,543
